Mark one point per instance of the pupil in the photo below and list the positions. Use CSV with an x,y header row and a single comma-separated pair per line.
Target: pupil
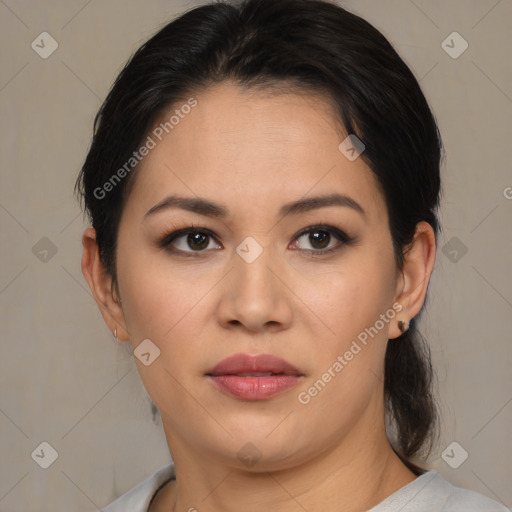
x,y
319,237
197,240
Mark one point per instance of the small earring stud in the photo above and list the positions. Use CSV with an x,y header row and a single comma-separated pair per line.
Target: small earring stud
x,y
403,326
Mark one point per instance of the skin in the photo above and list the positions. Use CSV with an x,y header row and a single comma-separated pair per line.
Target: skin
x,y
252,152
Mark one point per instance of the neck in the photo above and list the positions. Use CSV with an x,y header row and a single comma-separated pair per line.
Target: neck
x,y
356,475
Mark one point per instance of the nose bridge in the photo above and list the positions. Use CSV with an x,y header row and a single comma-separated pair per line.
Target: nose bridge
x,y
255,276
256,297
252,273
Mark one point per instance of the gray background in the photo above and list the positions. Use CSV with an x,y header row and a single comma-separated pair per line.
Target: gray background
x,y
64,380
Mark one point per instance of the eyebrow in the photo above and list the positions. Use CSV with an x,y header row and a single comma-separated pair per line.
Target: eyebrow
x,y
203,206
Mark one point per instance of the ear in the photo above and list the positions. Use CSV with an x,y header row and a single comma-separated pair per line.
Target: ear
x,y
100,283
419,259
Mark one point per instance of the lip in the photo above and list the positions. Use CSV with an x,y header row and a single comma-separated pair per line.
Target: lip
x,y
254,377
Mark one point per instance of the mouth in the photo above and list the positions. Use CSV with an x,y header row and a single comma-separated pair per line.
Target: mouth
x,y
256,374
257,377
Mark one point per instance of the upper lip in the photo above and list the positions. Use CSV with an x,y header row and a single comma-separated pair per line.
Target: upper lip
x,y
250,364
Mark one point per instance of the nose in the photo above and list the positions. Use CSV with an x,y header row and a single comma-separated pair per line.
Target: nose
x,y
255,295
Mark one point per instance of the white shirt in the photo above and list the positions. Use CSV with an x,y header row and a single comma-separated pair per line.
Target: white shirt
x,y
430,492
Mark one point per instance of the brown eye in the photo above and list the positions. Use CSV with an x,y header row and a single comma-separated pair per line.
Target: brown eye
x,y
189,241
197,241
319,239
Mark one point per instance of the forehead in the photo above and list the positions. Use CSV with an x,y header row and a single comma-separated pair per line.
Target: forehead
x,y
242,144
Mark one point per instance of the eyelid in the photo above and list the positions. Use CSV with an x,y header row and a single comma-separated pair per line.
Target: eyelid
x,y
340,234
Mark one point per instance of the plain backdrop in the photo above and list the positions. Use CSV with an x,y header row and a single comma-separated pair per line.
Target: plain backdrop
x,y
65,381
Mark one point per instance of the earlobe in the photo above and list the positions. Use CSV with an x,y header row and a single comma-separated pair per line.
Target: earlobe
x,y
419,260
100,283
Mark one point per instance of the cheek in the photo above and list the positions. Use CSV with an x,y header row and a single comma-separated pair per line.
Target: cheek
x,y
349,361
167,308
353,297
159,298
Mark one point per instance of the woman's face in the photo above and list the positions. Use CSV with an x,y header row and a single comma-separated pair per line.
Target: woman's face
x,y
254,280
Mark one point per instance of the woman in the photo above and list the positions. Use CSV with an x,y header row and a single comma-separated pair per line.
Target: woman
x,y
262,187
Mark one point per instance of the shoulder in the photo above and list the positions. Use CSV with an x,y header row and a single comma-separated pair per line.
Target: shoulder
x,y
139,497
461,499
431,492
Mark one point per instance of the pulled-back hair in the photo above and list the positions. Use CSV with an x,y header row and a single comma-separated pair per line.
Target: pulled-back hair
x,y
297,45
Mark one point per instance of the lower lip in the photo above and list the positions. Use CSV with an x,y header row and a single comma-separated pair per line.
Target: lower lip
x,y
255,388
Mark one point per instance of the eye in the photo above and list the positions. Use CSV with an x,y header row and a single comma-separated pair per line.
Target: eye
x,y
189,240
322,239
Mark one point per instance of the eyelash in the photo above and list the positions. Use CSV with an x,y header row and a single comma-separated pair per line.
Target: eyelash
x,y
342,237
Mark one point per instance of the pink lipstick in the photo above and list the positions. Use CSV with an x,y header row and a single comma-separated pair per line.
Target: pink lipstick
x,y
254,377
